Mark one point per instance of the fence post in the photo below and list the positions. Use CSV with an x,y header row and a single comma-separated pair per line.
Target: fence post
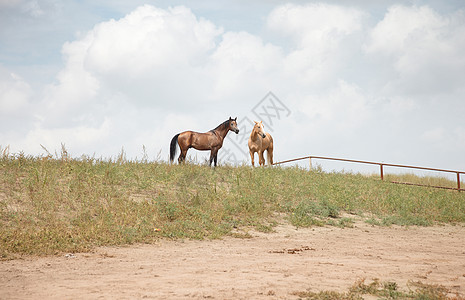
x,y
458,181
381,169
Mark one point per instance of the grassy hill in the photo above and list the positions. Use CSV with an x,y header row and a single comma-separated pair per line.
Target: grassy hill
x,y
51,205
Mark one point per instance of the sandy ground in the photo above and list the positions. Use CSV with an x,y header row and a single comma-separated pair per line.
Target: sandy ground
x,y
266,266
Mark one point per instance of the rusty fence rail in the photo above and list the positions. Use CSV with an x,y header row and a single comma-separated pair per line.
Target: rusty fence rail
x,y
381,167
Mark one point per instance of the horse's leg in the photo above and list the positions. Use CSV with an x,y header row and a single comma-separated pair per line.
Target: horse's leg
x,y
211,158
214,156
261,159
182,156
183,142
252,154
269,152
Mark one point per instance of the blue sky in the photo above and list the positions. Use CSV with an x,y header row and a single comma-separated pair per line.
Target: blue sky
x,y
370,80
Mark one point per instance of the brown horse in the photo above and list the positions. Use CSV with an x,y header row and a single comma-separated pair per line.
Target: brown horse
x,y
212,140
259,141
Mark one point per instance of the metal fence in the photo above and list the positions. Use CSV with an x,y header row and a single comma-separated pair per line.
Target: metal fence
x,y
381,167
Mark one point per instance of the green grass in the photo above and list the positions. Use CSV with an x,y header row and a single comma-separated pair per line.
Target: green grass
x,y
50,205
384,290
411,178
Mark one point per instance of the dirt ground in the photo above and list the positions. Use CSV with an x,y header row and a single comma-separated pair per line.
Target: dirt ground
x,y
266,266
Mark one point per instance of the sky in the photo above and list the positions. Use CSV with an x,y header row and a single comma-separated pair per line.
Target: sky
x,y
380,81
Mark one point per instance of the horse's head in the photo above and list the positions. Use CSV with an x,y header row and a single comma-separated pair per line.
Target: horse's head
x,y
259,127
233,125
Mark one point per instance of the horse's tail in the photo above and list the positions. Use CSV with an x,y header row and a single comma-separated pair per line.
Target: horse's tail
x,y
173,147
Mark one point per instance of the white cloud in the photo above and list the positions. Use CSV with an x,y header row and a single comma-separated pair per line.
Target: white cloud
x,y
399,105
9,3
244,60
33,8
16,107
435,135
146,57
149,57
72,95
403,27
459,136
317,26
446,139
150,38
75,136
319,32
15,94
29,7
154,57
424,48
344,109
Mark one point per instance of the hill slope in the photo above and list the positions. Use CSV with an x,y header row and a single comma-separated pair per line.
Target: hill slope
x,y
50,205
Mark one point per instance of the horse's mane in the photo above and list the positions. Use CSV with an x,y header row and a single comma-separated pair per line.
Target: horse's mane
x,y
225,124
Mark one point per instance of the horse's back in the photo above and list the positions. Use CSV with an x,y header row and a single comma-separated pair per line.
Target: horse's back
x,y
197,140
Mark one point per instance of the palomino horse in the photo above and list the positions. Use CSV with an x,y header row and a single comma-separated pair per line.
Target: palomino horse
x,y
212,140
259,141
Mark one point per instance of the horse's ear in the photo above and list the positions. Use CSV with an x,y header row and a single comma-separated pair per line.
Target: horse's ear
x,y
255,122
235,119
230,119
